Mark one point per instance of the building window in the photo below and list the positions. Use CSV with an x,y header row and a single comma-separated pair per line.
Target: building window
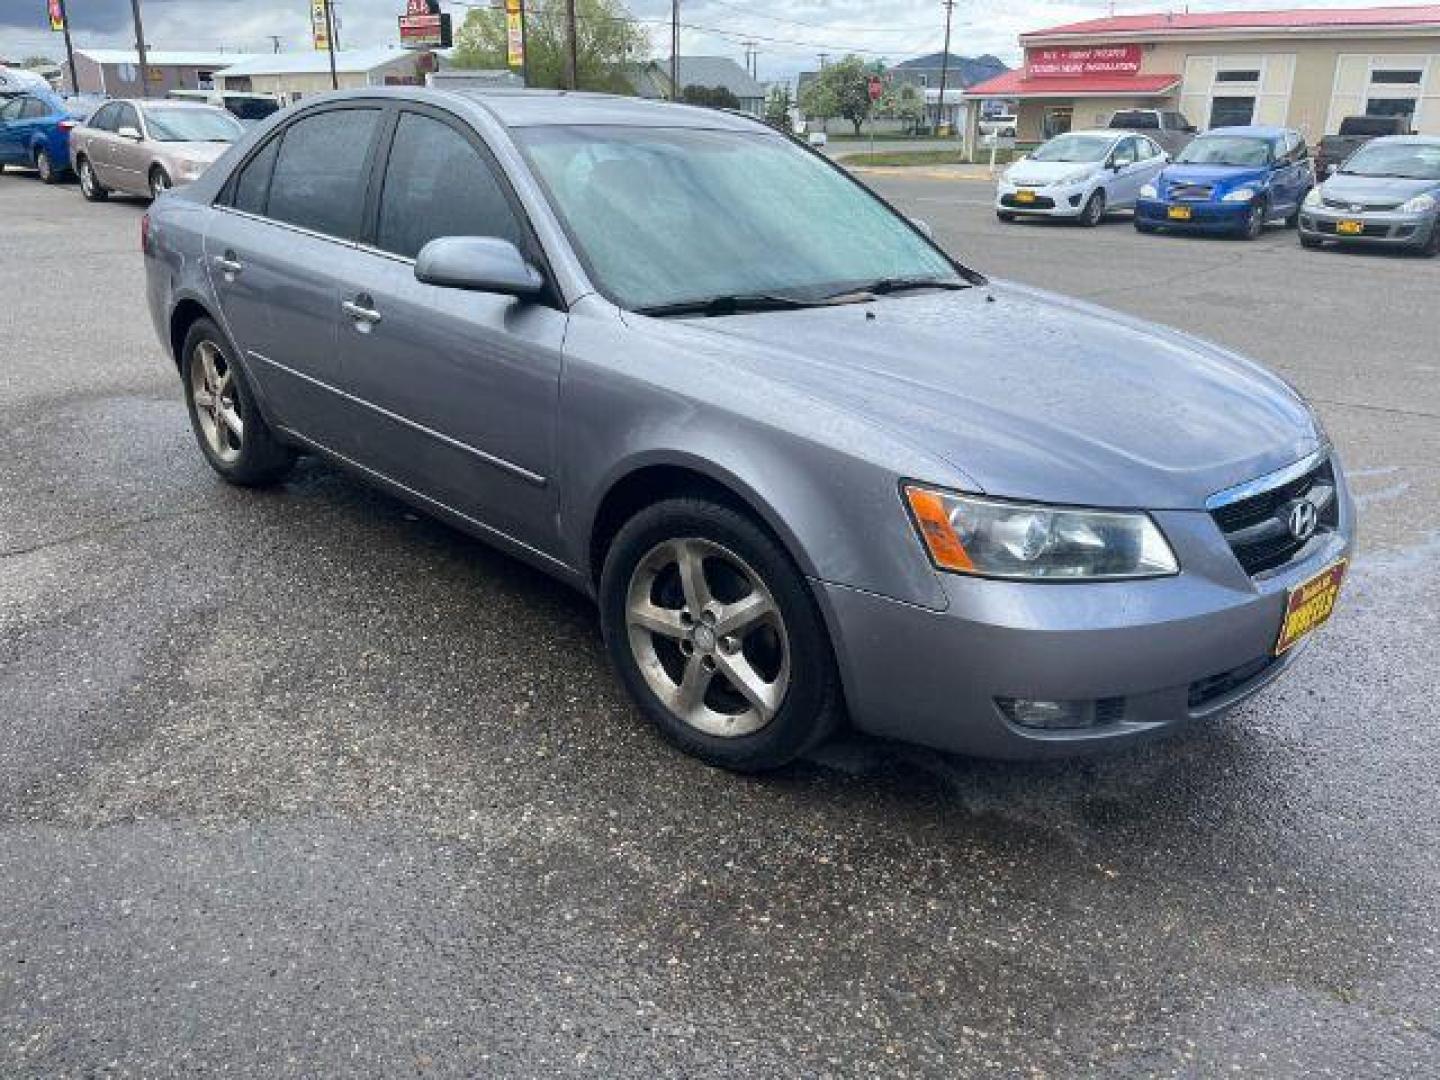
x,y
1390,107
1247,75
1231,111
1397,78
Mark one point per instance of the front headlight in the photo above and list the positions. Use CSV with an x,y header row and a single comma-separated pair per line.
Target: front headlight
x,y
1240,194
1421,204
1149,191
1313,197
969,534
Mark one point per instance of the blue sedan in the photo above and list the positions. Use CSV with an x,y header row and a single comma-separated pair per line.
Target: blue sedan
x,y
1230,180
35,131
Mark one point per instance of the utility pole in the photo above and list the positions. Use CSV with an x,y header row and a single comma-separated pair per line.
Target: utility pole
x,y
752,57
949,6
823,57
140,49
330,44
572,47
69,49
674,50
276,39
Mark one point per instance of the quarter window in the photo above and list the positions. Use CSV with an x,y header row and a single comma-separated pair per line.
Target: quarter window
x,y
438,184
252,186
319,179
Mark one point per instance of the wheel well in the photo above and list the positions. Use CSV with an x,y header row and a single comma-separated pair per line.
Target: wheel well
x,y
650,485
181,319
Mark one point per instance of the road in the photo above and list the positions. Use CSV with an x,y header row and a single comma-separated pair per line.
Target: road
x,y
302,783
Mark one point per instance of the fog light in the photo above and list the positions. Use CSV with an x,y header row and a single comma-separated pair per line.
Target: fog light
x,y
1061,715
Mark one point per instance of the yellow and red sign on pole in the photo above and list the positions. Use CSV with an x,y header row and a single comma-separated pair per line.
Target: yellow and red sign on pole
x,y
515,33
319,25
57,15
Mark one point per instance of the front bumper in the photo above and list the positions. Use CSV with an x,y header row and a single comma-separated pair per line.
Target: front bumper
x,y
1169,650
1057,200
1383,229
1204,216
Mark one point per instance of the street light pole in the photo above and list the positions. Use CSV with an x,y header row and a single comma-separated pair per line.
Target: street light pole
x,y
330,44
69,49
572,48
139,49
944,64
674,50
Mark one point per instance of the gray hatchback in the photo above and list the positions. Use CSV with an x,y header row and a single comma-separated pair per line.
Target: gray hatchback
x,y
813,470
1387,193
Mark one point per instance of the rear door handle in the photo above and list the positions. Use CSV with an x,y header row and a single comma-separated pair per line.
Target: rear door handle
x,y
362,310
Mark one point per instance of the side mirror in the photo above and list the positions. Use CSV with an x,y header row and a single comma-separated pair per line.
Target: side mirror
x,y
478,263
924,227
1331,169
128,132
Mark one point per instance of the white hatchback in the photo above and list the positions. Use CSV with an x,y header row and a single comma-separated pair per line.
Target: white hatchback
x,y
1081,175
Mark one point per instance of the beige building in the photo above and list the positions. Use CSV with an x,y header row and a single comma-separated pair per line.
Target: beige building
x,y
1305,69
292,76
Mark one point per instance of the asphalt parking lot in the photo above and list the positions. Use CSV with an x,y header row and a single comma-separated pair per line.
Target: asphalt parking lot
x,y
301,782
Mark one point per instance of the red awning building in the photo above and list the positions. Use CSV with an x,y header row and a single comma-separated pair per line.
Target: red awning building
x,y
1301,68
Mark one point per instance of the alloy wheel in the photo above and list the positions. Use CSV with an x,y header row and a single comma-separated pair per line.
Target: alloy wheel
x,y
217,405
708,637
42,165
87,178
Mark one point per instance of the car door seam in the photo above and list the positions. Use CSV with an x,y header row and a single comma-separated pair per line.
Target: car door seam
x,y
533,478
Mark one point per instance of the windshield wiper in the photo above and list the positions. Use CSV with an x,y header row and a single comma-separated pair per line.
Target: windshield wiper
x,y
732,304
887,286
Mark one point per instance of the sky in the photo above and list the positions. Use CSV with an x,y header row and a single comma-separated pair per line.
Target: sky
x,y
788,33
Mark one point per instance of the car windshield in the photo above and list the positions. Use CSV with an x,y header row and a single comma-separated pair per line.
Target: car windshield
x,y
192,125
1074,148
668,216
1410,161
1226,150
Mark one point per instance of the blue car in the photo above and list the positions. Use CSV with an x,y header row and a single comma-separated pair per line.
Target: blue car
x,y
1230,180
35,131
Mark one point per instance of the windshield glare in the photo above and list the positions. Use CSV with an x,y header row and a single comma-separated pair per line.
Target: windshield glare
x,y
1419,161
1079,148
1226,150
192,125
669,215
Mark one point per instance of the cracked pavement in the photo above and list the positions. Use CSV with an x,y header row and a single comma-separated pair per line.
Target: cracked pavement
x,y
301,782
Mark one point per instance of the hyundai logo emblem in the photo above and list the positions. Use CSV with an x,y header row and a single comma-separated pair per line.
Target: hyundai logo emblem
x,y
1302,519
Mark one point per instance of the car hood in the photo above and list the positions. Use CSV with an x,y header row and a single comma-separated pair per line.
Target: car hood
x,y
1033,396
192,151
1223,177
1047,172
1375,189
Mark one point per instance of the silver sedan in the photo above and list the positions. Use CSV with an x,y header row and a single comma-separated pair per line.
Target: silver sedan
x,y
147,147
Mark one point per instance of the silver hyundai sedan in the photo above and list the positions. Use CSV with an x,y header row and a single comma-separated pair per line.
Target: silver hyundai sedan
x,y
813,470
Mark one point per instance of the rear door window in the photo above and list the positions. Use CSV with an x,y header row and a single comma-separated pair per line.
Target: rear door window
x,y
35,109
438,183
319,178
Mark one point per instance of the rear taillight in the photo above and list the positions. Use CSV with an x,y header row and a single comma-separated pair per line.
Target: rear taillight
x,y
66,125
145,233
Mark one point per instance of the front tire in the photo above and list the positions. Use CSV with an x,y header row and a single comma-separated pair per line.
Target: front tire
x,y
717,637
89,186
1255,221
232,434
1005,216
1094,212
1311,241
160,182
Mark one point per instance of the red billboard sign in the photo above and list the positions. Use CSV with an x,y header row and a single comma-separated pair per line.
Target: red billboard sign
x,y
1097,60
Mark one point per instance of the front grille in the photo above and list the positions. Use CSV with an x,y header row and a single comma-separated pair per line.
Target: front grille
x,y
1040,202
1192,192
1204,691
1257,527
1343,204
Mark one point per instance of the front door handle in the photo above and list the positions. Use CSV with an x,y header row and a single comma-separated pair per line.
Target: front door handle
x,y
229,265
362,310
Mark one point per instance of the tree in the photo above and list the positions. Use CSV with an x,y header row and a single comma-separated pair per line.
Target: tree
x,y
778,106
607,39
36,62
902,101
842,89
716,97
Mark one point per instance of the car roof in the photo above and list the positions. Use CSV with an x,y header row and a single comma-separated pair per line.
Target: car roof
x,y
1253,131
1421,140
536,108
1109,133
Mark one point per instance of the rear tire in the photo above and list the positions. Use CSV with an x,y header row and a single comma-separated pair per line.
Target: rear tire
x,y
46,167
224,415
1094,212
675,574
90,187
